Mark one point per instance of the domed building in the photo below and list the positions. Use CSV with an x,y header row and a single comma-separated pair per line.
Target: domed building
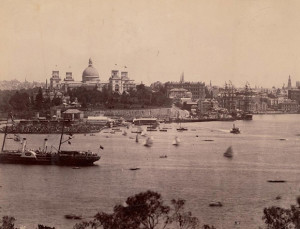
x,y
91,80
90,73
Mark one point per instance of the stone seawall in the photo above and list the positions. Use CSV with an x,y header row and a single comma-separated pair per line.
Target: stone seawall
x,y
160,113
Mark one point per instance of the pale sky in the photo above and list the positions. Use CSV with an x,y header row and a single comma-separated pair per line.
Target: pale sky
x,y
239,40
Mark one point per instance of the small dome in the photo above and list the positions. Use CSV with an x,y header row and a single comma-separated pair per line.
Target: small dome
x,y
90,73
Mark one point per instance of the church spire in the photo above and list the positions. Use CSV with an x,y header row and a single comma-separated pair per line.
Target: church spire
x,y
182,78
289,83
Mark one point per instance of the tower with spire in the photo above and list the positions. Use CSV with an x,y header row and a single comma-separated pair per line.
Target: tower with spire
x,y
289,83
182,78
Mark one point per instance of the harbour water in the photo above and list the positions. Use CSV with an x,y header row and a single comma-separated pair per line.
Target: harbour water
x,y
267,149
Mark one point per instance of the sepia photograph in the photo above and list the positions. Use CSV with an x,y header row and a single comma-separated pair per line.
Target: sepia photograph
x,y
149,114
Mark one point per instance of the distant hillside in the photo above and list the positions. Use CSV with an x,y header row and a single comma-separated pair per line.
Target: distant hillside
x,y
17,85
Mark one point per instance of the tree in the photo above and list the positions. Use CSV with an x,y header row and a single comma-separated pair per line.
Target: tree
x,y
56,101
39,99
183,219
281,218
7,222
124,97
145,210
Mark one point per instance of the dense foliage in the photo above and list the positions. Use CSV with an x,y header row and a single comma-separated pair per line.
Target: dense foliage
x,y
141,96
38,100
281,218
145,210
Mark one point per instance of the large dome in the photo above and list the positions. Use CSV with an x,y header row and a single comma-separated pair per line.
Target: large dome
x,y
90,73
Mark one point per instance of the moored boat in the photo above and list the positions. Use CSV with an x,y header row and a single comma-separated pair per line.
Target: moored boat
x,y
43,157
235,130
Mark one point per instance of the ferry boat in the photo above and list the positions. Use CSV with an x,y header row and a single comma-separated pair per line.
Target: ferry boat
x,y
61,157
151,128
146,121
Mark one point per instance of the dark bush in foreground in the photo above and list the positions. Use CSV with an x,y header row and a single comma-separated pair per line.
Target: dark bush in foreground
x,y
281,218
145,210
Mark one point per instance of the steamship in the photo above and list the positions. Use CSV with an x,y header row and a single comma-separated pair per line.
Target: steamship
x,y
42,157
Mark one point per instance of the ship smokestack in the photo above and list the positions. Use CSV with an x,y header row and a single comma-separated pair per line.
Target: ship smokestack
x,y
24,145
45,145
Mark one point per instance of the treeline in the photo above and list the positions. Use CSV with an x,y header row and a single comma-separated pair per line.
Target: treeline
x,y
24,103
142,96
37,100
147,210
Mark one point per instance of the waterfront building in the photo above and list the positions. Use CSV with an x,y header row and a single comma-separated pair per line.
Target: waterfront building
x,y
289,105
73,114
207,106
272,103
190,106
196,88
294,94
298,84
179,93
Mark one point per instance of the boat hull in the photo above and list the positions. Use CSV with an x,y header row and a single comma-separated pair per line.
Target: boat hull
x,y
49,159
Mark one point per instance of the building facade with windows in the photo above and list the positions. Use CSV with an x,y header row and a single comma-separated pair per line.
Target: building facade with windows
x,y
120,84
196,88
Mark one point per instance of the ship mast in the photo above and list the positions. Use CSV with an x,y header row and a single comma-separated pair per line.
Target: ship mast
x,y
4,137
61,136
5,133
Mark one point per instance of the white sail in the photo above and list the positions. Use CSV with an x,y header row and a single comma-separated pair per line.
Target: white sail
x,y
149,142
176,141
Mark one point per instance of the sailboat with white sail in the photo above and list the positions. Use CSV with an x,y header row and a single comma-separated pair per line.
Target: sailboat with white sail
x,y
149,142
176,141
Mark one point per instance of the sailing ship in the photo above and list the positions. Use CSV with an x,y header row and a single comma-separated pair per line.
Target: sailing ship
x,y
179,120
42,157
228,153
